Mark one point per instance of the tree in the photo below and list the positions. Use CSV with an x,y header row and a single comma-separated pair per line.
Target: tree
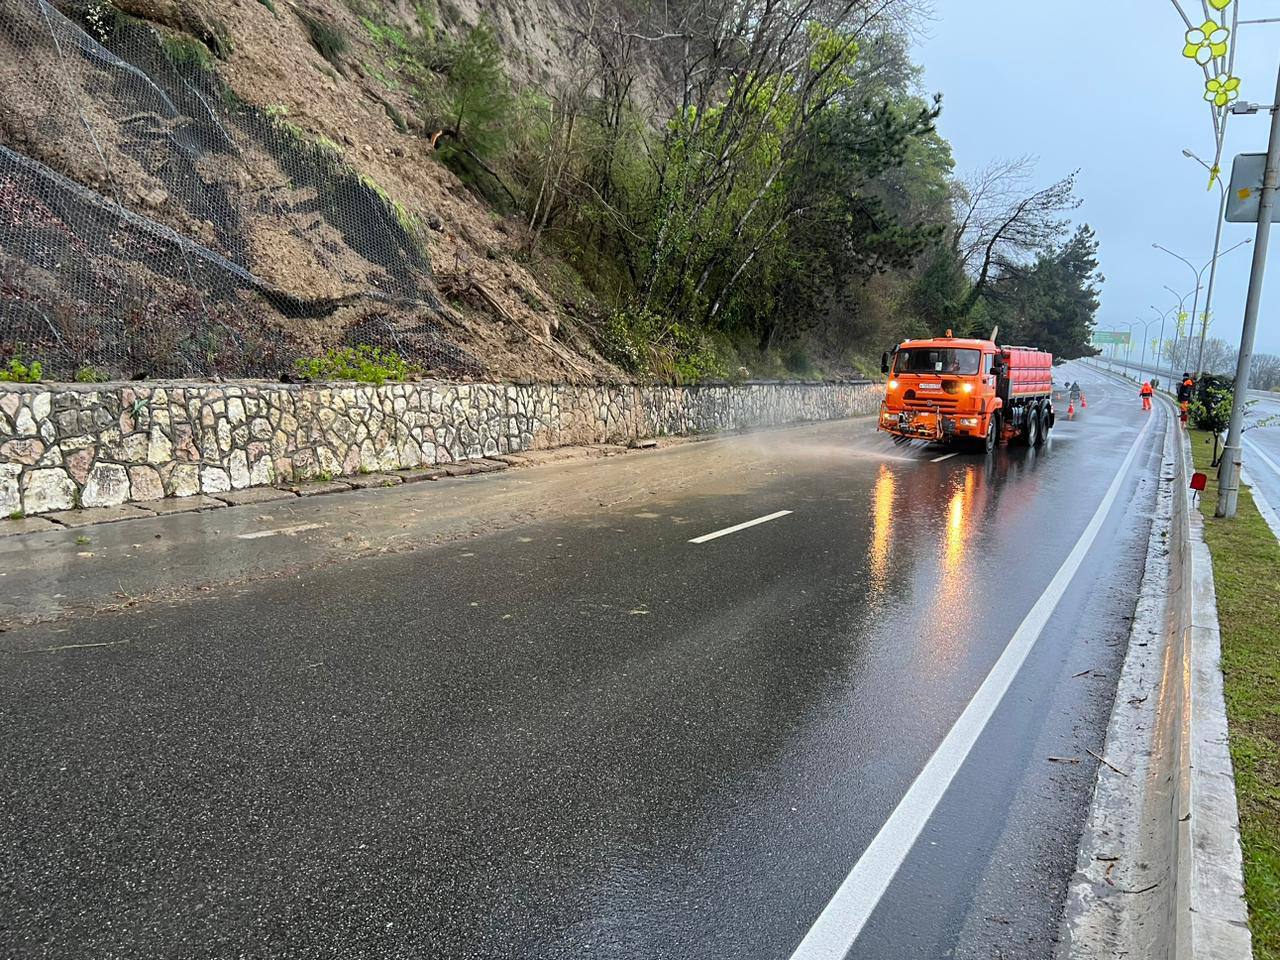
x,y
1002,225
1052,304
476,104
1211,410
1264,371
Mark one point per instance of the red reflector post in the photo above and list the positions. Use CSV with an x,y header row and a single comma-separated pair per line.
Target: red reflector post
x,y
1198,480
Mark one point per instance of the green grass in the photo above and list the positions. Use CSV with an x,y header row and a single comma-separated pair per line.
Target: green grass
x,y
1246,575
184,51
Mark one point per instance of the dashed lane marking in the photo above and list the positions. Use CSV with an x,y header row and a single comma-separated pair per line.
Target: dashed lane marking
x,y
298,528
945,456
741,526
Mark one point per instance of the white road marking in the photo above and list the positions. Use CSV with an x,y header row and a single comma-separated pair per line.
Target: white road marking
x,y
1259,497
945,456
74,646
837,927
1261,502
298,528
741,526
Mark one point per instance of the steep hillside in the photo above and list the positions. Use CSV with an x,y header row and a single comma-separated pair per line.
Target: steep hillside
x,y
190,186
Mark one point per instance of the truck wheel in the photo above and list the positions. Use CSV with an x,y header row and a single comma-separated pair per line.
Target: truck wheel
x,y
988,443
1042,427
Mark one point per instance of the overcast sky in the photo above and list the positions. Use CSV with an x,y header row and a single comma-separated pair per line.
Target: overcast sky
x,y
1101,85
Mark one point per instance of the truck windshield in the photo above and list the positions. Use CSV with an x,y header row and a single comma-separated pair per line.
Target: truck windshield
x,y
938,360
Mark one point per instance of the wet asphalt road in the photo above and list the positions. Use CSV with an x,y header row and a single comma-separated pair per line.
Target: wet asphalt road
x,y
582,735
1262,449
1261,445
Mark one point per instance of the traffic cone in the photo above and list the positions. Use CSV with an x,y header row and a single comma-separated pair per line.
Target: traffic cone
x,y
1083,402
1071,410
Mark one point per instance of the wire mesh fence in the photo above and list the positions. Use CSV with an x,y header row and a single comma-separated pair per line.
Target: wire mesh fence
x,y
153,225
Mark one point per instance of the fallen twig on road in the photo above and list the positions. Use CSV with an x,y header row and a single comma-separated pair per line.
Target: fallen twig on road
x,y
1143,890
1101,759
1063,759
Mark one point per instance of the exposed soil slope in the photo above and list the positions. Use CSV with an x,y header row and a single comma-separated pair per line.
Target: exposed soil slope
x,y
306,205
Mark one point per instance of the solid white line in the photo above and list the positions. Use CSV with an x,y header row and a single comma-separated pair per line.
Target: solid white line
x,y
1262,456
257,535
1261,502
837,927
1259,497
742,526
945,456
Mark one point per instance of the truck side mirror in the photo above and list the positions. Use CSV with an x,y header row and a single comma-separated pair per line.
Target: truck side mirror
x,y
884,362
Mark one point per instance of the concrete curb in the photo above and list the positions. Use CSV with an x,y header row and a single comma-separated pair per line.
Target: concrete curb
x,y
1159,869
1210,845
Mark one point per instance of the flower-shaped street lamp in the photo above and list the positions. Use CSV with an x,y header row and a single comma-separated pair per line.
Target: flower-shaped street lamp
x,y
1206,41
1222,89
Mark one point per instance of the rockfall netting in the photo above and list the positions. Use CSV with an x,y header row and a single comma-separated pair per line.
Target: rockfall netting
x,y
152,225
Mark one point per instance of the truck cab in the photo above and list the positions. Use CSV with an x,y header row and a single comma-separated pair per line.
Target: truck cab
x,y
966,391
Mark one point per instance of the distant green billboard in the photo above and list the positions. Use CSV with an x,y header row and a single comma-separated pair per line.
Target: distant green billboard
x,y
1108,338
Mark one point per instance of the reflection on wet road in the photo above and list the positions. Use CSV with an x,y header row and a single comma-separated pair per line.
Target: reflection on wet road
x,y
581,734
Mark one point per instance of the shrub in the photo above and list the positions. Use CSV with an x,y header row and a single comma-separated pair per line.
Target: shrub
x,y
1211,411
641,342
328,39
625,337
364,363
19,372
90,374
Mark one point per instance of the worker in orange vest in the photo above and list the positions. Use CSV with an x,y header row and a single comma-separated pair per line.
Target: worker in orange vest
x,y
1186,390
1146,393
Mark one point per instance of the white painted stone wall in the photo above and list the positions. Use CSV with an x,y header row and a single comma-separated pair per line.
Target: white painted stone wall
x,y
73,445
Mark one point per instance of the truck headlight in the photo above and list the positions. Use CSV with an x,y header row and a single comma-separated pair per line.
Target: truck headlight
x,y
967,387
893,384
968,421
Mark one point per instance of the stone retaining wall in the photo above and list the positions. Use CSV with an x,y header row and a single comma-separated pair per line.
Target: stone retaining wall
x,y
72,445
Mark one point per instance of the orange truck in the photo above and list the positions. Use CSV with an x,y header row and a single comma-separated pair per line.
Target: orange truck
x,y
967,392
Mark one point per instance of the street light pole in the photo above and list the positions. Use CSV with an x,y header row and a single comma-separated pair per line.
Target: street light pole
x,y
1213,269
1195,301
1213,263
1177,328
1146,327
1160,345
1232,456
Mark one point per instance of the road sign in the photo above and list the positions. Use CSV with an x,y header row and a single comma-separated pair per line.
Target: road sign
x,y
1106,338
1245,195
